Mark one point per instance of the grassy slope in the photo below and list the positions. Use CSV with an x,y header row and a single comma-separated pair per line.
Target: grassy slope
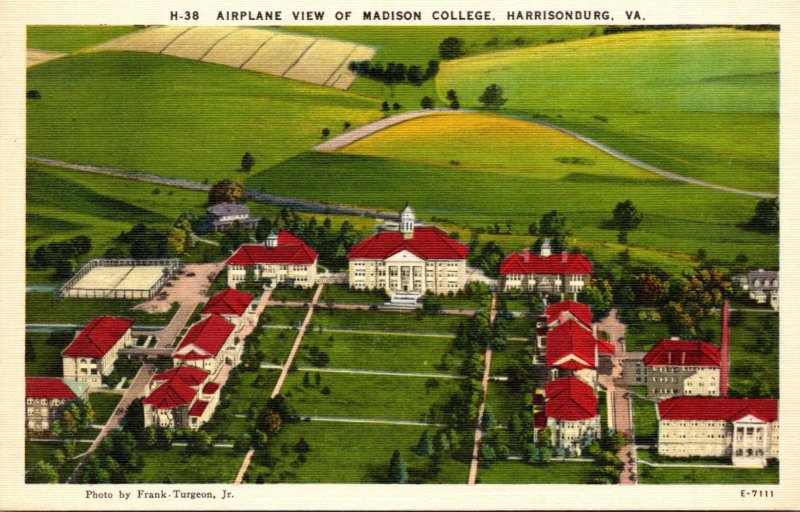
x,y
71,38
501,179
386,321
702,102
175,117
220,465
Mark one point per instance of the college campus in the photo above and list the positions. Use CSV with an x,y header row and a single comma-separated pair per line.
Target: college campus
x,y
448,281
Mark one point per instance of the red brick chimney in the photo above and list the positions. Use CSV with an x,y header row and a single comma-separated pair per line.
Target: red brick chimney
x,y
725,352
526,255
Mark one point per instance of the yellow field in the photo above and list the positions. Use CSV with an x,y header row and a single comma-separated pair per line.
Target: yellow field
x,y
34,57
298,57
515,146
195,43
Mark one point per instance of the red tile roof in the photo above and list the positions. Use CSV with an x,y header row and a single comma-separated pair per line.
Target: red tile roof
x,y
98,337
569,399
48,387
210,388
198,408
204,339
580,311
228,302
428,243
717,408
564,263
190,375
570,346
683,353
289,251
173,393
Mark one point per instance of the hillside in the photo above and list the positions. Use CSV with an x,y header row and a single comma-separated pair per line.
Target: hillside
x,y
71,38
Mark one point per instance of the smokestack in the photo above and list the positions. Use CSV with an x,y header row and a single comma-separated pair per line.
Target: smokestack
x,y
723,380
526,255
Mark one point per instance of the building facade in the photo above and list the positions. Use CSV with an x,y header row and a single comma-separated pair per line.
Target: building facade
x,y
571,413
235,306
281,259
545,273
183,397
410,259
208,345
46,398
93,352
761,285
677,367
224,216
742,429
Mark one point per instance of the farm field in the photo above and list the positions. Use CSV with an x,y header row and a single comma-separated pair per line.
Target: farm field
x,y
359,452
375,352
368,320
220,465
48,308
712,116
71,38
517,472
181,134
388,398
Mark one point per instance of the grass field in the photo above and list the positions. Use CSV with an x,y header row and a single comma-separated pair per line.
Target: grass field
x,y
175,117
220,465
366,396
104,405
645,421
274,343
517,472
504,402
683,475
283,315
386,321
49,309
47,355
289,293
71,38
654,102
255,388
531,183
359,453
342,294
376,352
515,352
36,451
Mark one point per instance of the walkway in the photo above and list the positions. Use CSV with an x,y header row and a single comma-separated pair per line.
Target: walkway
x,y
616,390
364,307
473,468
374,421
387,373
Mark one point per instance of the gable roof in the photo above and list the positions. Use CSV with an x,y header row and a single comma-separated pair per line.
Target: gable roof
x,y
683,353
564,263
98,337
289,251
173,393
717,408
198,408
225,209
228,302
569,399
49,388
204,339
428,243
582,312
570,346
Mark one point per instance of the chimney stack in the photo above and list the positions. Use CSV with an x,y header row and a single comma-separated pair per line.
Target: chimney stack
x,y
526,255
725,355
564,257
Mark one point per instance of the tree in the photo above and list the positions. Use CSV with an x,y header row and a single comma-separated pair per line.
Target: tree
x,y
397,472
306,380
451,48
440,442
487,454
426,103
626,216
385,106
42,473
649,289
33,94
452,97
225,191
395,106
325,132
425,445
30,354
134,419
766,217
248,162
177,240
302,446
492,97
82,244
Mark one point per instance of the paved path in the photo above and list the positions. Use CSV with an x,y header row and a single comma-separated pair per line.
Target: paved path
x,y
376,332
364,307
251,325
473,468
350,137
373,421
245,465
70,327
270,366
617,390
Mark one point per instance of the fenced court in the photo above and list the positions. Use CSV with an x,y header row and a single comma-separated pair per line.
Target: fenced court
x,y
120,279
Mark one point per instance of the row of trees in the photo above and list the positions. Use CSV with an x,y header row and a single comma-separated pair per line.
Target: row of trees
x,y
394,72
61,256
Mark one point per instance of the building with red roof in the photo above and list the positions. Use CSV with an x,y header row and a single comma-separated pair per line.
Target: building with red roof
x,y
545,273
559,313
410,258
46,398
570,410
570,349
742,429
182,397
208,345
93,352
282,258
231,304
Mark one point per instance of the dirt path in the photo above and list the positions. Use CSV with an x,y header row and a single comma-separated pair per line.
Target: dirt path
x,y
473,468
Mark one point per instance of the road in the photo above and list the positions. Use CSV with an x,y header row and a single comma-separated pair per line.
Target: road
x,y
473,468
617,391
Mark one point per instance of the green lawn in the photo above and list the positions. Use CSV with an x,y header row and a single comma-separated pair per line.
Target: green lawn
x,y
682,475
274,343
104,405
291,293
283,315
642,336
712,116
36,451
177,465
342,294
47,347
254,390
515,352
376,352
504,402
164,115
71,38
50,309
386,321
517,472
349,453
366,396
228,429
645,421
